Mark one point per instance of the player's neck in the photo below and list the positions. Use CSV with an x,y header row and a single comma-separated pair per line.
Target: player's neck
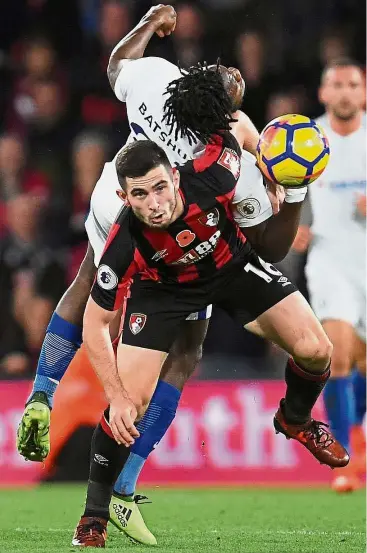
x,y
345,127
179,209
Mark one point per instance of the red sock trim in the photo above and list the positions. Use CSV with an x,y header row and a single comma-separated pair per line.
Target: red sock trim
x,y
307,375
106,427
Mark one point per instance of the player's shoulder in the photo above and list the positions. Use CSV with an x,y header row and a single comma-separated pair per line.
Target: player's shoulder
x,y
149,73
150,66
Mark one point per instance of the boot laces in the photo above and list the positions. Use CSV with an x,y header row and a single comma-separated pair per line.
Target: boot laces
x,y
317,431
141,499
93,529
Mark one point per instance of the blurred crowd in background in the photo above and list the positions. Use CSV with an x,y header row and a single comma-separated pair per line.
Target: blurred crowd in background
x,y
60,121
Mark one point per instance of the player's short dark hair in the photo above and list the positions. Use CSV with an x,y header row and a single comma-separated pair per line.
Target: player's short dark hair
x,y
338,63
198,105
138,158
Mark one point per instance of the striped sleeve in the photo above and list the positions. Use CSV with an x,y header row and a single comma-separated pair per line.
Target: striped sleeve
x,y
116,268
220,164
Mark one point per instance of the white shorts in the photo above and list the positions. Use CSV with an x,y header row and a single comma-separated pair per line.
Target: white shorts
x,y
336,291
104,207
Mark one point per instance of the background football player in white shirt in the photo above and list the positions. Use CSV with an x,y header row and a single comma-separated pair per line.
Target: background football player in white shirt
x,y
336,264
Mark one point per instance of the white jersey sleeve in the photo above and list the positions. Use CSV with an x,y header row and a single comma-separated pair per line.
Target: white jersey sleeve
x,y
251,205
137,75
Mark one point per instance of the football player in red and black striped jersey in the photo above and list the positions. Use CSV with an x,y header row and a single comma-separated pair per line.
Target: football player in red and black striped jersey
x,y
179,248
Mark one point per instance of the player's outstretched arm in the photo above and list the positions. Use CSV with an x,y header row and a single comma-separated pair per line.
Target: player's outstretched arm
x,y
96,337
241,131
160,19
250,135
273,238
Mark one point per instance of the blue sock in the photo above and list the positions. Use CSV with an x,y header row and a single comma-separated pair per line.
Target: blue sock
x,y
152,428
359,387
61,343
340,408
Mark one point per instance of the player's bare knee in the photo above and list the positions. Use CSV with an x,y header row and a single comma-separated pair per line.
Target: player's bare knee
x,y
141,405
313,352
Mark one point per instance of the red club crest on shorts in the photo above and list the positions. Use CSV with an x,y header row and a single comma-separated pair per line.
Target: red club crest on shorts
x,y
137,322
185,237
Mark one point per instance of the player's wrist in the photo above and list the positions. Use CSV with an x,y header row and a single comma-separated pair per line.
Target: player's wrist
x,y
151,22
295,195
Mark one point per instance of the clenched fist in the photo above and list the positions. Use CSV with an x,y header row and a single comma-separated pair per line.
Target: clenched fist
x,y
164,18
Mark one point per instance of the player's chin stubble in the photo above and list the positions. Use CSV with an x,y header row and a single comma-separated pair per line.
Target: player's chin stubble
x,y
345,115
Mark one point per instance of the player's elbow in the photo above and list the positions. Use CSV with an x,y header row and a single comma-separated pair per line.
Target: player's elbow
x,y
112,72
114,68
271,254
276,257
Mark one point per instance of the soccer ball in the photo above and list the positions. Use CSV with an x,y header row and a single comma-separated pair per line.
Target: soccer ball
x,y
292,151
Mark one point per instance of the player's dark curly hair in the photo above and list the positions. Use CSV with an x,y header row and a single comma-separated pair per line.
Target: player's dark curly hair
x,y
198,105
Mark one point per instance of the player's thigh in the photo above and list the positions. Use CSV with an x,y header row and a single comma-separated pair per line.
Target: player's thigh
x,y
254,291
293,326
343,337
267,303
153,317
185,353
139,369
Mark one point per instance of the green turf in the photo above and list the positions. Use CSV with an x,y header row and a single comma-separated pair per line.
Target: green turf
x,y
235,520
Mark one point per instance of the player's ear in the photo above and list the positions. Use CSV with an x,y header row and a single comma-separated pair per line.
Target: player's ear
x,y
176,177
322,94
123,196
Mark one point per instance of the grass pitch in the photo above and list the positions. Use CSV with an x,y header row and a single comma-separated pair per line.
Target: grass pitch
x,y
249,520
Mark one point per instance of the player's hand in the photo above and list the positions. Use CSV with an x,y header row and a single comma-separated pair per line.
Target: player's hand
x,y
164,18
276,196
122,417
302,239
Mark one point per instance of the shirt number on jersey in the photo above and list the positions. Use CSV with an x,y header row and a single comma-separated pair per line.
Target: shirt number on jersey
x,y
262,274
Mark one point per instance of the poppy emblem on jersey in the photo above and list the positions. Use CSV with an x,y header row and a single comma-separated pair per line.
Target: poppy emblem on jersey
x,y
106,278
249,208
211,218
137,322
231,161
185,238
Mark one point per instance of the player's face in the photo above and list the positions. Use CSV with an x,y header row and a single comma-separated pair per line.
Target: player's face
x,y
154,197
233,83
343,92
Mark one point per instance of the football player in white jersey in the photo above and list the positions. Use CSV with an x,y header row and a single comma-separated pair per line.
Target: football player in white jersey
x,y
141,83
336,264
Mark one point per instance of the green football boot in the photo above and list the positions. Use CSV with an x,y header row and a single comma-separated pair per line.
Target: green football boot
x,y
33,436
125,515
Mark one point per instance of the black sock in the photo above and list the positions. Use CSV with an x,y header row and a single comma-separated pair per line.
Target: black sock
x,y
106,461
303,389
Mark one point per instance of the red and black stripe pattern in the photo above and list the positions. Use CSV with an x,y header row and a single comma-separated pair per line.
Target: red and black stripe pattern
x,y
203,240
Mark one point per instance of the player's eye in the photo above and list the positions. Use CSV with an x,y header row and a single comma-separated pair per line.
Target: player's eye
x,y
138,194
161,187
